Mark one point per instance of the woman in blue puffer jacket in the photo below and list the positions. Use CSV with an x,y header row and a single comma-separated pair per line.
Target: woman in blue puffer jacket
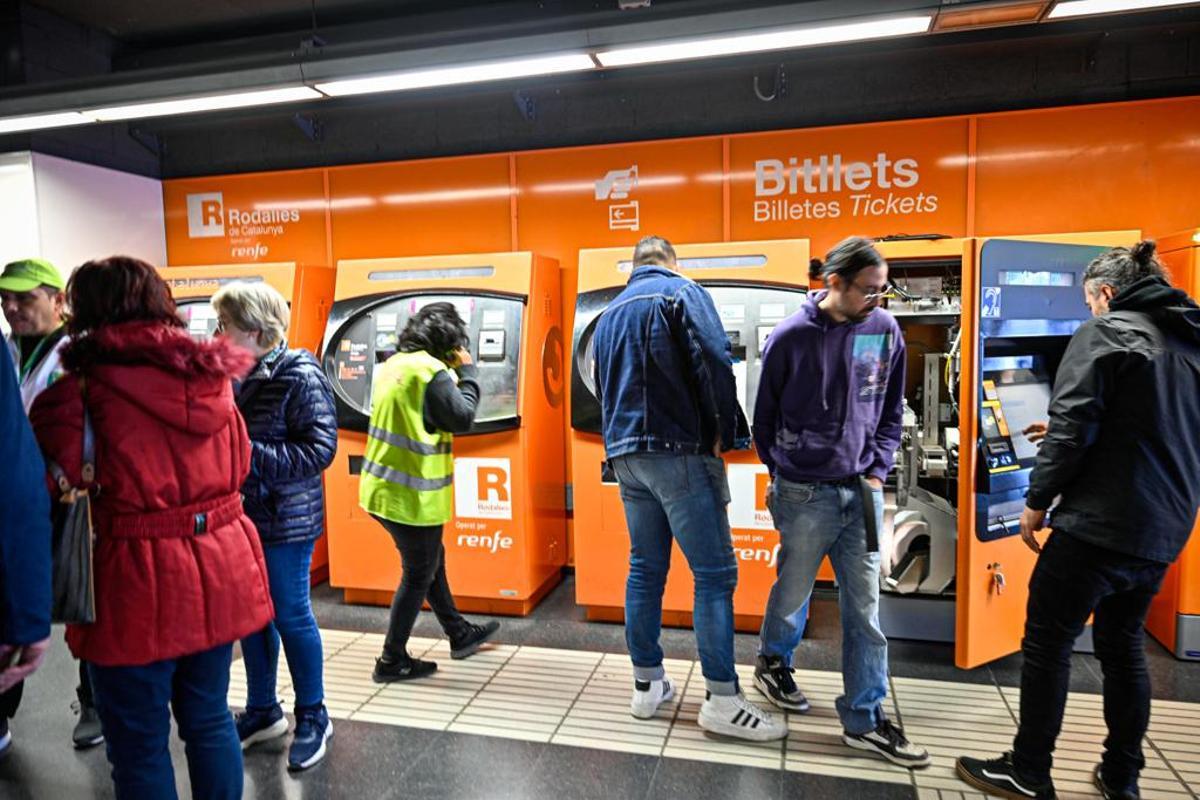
x,y
287,403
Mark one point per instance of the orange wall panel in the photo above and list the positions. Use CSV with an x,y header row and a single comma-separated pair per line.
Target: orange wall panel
x,y
1130,165
418,208
825,184
236,219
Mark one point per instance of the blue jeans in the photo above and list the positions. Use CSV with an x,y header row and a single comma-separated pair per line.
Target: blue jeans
x,y
135,704
287,571
817,520
679,498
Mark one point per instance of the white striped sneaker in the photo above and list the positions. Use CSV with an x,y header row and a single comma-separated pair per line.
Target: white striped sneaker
x,y
734,715
648,696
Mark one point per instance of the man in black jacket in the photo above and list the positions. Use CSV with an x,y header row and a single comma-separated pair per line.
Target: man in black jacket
x,y
1121,452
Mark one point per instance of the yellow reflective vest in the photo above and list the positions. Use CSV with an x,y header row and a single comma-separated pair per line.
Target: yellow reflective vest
x,y
407,472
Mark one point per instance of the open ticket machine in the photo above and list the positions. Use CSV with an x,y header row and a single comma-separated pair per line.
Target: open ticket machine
x,y
754,285
1175,614
986,323
506,544
309,292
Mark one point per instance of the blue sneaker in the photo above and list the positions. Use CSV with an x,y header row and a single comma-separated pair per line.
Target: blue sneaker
x,y
313,728
256,725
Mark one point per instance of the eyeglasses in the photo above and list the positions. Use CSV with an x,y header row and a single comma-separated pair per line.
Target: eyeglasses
x,y
884,293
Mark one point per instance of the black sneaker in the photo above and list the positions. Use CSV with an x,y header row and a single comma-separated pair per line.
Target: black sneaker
x,y
889,741
774,679
999,777
87,731
1109,793
468,641
406,670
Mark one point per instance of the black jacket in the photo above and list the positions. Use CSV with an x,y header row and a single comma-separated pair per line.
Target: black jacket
x,y
1123,448
288,406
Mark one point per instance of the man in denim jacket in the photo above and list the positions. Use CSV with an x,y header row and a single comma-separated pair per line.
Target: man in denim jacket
x,y
669,403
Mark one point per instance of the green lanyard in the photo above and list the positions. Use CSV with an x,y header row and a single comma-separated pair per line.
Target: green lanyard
x,y
35,357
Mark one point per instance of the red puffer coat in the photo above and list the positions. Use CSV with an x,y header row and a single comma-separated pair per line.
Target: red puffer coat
x,y
178,566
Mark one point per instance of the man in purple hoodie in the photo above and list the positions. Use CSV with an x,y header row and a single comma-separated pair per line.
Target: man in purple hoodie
x,y
827,425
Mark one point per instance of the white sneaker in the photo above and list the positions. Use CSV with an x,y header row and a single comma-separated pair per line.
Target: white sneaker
x,y
734,715
646,700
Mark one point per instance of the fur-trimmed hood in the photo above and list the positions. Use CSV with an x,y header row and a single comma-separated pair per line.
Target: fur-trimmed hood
x,y
183,382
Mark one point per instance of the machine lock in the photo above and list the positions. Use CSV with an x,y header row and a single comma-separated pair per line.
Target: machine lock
x,y
998,579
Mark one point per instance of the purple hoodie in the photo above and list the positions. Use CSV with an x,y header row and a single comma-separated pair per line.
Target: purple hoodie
x,y
831,396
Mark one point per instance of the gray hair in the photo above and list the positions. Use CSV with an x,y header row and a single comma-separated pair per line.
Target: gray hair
x,y
1121,267
255,307
654,250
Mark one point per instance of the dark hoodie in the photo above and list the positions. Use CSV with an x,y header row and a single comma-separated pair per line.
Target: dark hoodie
x,y
831,396
1122,448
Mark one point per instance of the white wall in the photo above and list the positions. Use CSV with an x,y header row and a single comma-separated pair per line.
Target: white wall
x,y
19,230
87,212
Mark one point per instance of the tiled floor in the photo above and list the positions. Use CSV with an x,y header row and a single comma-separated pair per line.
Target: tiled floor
x,y
493,726
580,698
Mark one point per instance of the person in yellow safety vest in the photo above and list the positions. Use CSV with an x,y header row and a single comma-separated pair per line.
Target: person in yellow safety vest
x,y
420,398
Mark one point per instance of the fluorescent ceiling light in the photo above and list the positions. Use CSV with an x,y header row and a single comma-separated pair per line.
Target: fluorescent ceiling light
x,y
42,121
1080,8
449,76
212,102
757,42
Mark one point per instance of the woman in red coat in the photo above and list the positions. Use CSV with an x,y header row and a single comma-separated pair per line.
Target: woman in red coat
x,y
179,571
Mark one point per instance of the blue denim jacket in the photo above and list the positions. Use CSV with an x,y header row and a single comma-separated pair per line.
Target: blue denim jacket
x,y
663,371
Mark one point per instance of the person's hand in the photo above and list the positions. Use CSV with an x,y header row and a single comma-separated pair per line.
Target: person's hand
x,y
24,662
461,356
1036,432
716,449
875,483
1031,522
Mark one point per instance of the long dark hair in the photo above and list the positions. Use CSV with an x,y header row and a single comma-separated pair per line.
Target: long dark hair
x,y
847,258
118,289
437,329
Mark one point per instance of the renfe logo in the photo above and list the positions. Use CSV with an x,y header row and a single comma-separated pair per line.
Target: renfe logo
x,y
747,497
483,488
206,215
491,542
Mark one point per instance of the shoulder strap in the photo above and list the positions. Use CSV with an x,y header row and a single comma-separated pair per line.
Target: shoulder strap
x,y
87,471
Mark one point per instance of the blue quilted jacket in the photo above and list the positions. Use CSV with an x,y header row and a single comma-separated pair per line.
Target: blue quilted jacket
x,y
287,403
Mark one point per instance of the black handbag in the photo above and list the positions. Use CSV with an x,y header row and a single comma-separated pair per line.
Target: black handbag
x,y
74,592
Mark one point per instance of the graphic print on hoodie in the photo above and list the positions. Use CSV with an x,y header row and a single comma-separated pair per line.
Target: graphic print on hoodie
x,y
831,396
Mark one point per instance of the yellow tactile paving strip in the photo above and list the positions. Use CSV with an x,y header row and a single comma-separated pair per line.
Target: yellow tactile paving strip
x,y
503,691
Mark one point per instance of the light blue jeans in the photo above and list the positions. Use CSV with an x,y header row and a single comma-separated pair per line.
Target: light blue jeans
x,y
679,498
815,520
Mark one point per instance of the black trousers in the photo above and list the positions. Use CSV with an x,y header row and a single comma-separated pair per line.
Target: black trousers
x,y
1072,580
423,559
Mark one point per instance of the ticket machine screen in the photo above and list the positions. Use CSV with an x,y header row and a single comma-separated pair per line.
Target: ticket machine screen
x,y
371,337
199,316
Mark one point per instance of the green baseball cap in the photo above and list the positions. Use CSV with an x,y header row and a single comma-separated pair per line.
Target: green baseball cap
x,y
28,274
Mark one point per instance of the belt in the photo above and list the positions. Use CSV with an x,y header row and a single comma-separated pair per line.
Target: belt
x,y
173,523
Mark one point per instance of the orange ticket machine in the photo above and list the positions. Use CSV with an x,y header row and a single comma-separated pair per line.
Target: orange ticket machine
x,y
1022,299
755,285
1175,614
506,545
309,292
